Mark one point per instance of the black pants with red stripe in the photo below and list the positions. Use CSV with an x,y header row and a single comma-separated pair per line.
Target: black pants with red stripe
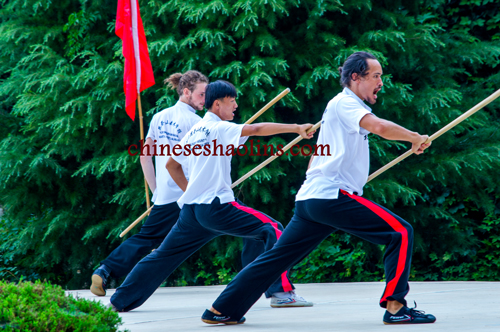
x,y
313,221
154,230
198,224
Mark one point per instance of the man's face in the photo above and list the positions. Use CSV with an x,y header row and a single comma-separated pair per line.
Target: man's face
x,y
370,85
196,99
227,107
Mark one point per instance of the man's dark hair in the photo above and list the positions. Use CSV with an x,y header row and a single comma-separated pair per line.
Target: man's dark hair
x,y
218,90
355,64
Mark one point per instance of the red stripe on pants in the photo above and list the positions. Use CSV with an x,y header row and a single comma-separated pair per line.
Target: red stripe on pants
x,y
396,225
262,217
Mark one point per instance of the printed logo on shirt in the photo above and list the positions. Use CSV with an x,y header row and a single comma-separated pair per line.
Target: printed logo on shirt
x,y
199,130
170,130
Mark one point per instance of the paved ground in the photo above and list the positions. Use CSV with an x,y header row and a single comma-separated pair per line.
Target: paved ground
x,y
458,306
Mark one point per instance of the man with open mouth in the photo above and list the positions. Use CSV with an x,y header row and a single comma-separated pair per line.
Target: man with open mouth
x,y
331,199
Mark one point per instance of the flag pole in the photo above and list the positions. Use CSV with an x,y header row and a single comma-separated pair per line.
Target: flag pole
x,y
141,124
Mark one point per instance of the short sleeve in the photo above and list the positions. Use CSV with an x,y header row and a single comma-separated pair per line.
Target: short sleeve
x,y
152,129
242,140
350,113
230,133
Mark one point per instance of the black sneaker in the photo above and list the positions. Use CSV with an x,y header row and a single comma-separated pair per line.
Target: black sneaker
x,y
408,316
99,281
211,318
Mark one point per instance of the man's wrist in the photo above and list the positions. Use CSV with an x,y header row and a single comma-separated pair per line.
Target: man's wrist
x,y
415,137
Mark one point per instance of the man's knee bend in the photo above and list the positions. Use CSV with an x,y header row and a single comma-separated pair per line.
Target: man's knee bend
x,y
401,235
409,232
270,234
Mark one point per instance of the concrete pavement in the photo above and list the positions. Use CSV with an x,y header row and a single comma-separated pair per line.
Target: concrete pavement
x,y
458,306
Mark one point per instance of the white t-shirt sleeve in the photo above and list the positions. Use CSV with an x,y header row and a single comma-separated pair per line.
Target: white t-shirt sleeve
x,y
152,133
242,139
350,113
230,133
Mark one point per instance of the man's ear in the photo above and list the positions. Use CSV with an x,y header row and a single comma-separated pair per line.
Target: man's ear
x,y
186,92
354,77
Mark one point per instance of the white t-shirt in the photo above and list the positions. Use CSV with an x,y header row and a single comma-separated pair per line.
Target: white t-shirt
x,y
348,165
168,127
210,171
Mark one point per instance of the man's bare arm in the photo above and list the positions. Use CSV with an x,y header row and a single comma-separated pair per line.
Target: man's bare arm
x,y
177,174
147,166
391,131
310,162
269,128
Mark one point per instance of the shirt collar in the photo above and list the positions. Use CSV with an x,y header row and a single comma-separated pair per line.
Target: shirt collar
x,y
211,116
185,106
349,92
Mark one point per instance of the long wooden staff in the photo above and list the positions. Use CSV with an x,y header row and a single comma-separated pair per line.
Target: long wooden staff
x,y
249,121
452,124
276,155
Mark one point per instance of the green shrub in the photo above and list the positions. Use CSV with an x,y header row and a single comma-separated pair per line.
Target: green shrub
x,y
38,306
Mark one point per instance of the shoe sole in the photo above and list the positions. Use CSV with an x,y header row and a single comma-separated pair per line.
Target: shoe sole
x,y
96,287
291,305
406,323
217,322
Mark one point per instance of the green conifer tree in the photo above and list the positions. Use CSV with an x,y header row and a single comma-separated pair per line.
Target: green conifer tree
x,y
69,187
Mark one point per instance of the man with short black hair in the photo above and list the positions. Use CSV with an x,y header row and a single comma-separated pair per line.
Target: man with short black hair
x,y
330,199
208,205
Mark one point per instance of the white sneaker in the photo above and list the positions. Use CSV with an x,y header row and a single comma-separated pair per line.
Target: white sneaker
x,y
289,299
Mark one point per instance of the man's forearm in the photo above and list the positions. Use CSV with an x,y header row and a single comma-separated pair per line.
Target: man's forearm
x,y
149,171
180,179
392,131
387,129
310,162
269,128
177,174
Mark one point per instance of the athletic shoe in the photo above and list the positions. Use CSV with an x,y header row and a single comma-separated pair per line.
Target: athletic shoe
x,y
212,318
99,281
408,316
112,307
289,299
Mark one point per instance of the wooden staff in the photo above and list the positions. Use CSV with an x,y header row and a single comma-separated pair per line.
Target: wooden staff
x,y
268,160
452,124
148,204
249,121
269,104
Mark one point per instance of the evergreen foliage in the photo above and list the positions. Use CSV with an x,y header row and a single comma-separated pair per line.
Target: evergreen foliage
x,y
69,187
39,307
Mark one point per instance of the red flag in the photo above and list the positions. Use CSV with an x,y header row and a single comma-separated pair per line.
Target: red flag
x,y
138,74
